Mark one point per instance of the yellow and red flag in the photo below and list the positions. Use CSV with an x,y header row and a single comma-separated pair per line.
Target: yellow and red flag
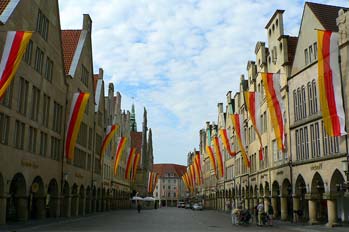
x,y
14,48
156,177
150,182
135,165
329,80
224,137
77,110
185,182
130,158
212,159
219,156
108,136
198,167
118,154
192,174
253,103
271,82
238,126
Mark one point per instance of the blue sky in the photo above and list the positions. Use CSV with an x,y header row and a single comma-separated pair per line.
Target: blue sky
x,y
177,58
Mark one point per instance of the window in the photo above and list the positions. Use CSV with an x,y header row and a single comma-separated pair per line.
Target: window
x,y
23,96
82,137
275,150
84,75
88,161
310,98
6,100
299,98
32,140
311,54
315,108
57,118
55,148
306,56
4,125
90,138
98,141
48,69
315,140
39,60
35,103
315,50
306,143
80,158
46,110
304,106
43,144
28,53
295,105
42,25
19,134
330,144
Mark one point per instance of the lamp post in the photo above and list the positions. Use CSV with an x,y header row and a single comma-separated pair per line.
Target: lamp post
x,y
345,167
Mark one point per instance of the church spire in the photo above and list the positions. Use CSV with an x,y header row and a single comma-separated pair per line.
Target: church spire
x,y
133,123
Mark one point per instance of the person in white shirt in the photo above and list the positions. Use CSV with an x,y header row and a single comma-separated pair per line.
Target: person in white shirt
x,y
260,209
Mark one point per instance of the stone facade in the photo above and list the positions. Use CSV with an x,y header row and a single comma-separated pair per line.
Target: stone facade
x,y
307,177
36,180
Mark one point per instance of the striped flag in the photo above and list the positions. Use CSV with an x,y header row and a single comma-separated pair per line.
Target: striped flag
x,y
238,126
135,165
329,80
130,158
219,156
185,182
253,103
109,135
224,137
118,154
271,82
212,159
156,177
77,110
14,48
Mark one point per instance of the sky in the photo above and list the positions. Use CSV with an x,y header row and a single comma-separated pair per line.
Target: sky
x,y
177,58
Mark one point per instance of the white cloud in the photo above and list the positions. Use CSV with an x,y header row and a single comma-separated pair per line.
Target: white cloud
x,y
177,58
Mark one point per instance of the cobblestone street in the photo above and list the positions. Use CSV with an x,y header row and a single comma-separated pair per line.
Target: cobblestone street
x,y
164,219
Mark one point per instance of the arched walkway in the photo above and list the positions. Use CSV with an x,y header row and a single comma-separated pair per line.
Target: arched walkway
x,y
337,204
82,201
74,201
300,204
66,200
94,199
317,205
286,201
37,203
2,201
52,199
276,202
98,200
88,200
17,202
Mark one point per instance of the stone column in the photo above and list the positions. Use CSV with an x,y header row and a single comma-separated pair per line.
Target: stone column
x,y
3,201
295,208
312,211
284,209
255,201
22,208
266,203
331,212
66,206
40,207
274,205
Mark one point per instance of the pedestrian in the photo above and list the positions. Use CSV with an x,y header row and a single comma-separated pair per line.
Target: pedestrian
x,y
233,215
260,209
256,214
139,206
270,214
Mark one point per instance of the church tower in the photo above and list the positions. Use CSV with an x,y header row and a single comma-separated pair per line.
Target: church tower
x,y
133,123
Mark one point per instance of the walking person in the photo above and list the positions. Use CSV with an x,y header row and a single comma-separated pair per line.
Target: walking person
x,y
233,213
139,206
270,214
260,209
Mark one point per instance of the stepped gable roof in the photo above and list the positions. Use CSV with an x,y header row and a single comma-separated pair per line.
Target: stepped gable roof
x,y
291,47
326,14
136,140
163,169
70,40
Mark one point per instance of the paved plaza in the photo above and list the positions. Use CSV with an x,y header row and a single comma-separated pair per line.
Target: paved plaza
x,y
164,219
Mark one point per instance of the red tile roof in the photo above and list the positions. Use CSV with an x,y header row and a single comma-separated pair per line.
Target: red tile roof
x,y
163,169
70,39
136,141
326,14
3,5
